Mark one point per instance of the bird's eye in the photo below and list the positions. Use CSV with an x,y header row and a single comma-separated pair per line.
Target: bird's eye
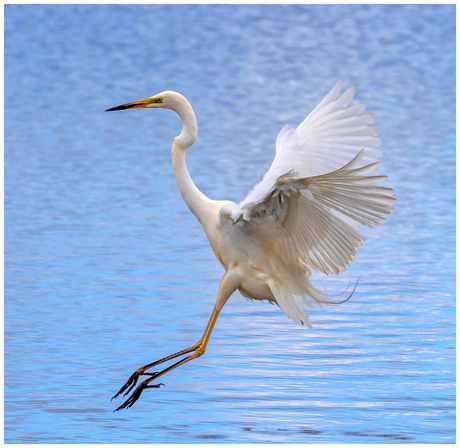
x,y
155,100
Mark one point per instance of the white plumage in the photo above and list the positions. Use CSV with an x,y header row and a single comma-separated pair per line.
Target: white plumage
x,y
330,136
320,187
305,214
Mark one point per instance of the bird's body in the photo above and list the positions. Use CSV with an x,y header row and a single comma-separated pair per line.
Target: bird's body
x,y
238,252
304,215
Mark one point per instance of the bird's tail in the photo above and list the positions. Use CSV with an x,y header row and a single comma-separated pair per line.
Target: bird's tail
x,y
296,295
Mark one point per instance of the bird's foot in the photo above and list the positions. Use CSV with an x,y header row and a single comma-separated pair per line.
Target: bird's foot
x,y
133,379
137,393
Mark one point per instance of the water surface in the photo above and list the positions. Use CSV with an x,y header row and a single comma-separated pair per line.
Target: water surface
x,y
106,269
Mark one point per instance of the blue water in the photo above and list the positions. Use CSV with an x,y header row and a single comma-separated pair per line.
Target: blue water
x,y
106,269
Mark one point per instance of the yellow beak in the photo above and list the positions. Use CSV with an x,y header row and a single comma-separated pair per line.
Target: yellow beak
x,y
136,104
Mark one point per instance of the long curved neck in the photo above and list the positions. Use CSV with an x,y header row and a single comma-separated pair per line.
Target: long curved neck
x,y
196,201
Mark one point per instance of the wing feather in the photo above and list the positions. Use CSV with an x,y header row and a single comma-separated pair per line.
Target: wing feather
x,y
322,185
330,136
310,235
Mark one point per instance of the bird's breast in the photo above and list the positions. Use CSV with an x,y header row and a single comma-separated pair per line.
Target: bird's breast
x,y
233,247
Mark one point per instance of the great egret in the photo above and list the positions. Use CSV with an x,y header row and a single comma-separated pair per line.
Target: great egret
x,y
304,215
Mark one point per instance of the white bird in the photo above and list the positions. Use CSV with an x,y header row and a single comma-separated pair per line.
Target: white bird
x,y
304,215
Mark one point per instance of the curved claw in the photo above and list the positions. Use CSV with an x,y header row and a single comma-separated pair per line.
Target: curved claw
x,y
131,383
128,385
137,393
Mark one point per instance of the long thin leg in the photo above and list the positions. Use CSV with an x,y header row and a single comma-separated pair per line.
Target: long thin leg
x,y
198,352
228,285
142,370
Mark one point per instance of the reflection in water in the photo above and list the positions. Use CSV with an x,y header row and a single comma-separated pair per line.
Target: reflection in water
x,y
106,269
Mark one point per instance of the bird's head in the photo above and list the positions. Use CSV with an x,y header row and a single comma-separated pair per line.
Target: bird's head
x,y
166,100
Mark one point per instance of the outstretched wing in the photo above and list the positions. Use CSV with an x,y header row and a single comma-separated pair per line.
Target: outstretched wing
x,y
326,140
297,217
322,185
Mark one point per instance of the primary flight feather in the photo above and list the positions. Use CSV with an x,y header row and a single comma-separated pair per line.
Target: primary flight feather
x,y
305,214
